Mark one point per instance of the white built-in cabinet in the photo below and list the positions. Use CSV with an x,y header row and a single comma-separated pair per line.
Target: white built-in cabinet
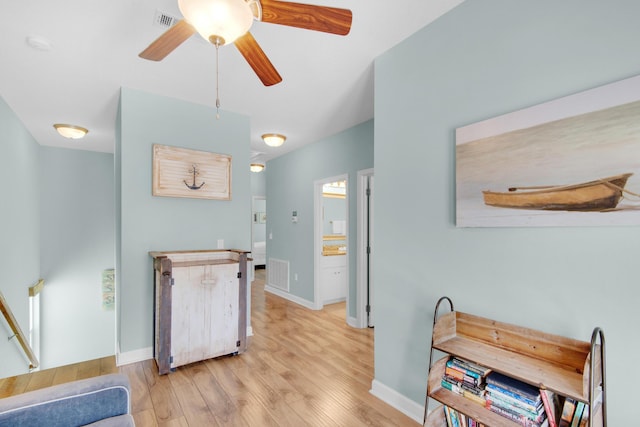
x,y
333,278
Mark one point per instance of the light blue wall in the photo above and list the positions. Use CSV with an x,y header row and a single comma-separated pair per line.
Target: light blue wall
x,y
77,243
481,60
146,223
258,183
290,187
19,231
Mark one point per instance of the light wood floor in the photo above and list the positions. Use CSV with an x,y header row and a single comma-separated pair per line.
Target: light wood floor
x,y
301,368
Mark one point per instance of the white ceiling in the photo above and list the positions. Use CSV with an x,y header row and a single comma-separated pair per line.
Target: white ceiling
x,y
327,79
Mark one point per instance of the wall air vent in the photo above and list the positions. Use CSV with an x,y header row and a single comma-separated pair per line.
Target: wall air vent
x,y
164,20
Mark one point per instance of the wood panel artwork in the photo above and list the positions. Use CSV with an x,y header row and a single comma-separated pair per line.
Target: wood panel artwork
x,y
181,172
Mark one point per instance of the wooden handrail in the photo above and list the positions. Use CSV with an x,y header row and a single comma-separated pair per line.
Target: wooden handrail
x,y
15,327
37,288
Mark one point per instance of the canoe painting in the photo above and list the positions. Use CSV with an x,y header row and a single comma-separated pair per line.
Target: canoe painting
x,y
598,195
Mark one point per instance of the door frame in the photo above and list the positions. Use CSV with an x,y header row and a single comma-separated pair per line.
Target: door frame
x,y
361,248
318,233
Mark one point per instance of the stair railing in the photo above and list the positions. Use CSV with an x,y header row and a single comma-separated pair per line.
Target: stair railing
x,y
17,331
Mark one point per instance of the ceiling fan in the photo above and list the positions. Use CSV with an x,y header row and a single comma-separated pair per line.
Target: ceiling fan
x,y
228,21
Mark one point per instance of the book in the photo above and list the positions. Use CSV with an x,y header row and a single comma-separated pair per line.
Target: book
x,y
461,385
498,389
514,386
447,416
577,415
584,420
453,414
467,367
537,417
474,397
520,419
568,410
551,402
506,397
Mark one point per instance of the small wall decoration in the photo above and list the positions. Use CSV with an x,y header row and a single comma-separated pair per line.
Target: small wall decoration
x,y
574,161
181,172
108,289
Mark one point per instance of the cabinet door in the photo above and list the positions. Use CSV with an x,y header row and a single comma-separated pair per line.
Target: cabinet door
x,y
220,322
334,284
187,311
204,314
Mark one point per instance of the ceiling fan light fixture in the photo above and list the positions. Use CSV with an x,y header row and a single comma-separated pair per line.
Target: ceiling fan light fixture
x,y
273,139
70,131
221,21
256,167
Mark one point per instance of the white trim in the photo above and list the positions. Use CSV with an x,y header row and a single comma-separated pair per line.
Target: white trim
x,y
290,297
353,322
397,400
134,356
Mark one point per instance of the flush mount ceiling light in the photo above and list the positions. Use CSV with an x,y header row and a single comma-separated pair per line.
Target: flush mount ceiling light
x,y
70,131
273,139
256,167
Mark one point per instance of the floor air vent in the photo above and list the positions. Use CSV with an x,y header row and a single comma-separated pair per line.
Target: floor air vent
x,y
278,274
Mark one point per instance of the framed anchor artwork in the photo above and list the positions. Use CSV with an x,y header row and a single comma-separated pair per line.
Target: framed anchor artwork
x,y
181,172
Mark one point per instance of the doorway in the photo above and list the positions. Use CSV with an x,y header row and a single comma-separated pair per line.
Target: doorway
x,y
259,231
331,225
365,250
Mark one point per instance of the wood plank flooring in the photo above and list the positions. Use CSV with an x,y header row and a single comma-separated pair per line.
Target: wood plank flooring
x,y
301,368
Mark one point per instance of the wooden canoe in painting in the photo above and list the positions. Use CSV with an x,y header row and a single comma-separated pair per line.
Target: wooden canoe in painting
x,y
598,195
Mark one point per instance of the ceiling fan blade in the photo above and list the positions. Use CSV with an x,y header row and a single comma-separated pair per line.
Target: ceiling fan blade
x,y
257,59
168,41
310,17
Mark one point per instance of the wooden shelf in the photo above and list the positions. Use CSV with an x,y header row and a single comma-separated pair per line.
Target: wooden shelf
x,y
553,362
548,361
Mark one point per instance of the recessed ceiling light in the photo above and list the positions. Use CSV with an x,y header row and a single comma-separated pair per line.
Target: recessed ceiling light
x,y
39,43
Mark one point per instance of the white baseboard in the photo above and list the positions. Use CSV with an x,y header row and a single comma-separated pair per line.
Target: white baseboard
x,y
134,356
398,401
353,322
286,295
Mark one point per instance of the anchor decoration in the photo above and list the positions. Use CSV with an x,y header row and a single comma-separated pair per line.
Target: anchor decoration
x,y
194,170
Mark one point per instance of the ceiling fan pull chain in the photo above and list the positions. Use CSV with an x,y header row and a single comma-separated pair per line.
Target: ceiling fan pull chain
x,y
217,83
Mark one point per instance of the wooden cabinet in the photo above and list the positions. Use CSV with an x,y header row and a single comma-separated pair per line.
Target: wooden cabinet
x,y
568,367
200,306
